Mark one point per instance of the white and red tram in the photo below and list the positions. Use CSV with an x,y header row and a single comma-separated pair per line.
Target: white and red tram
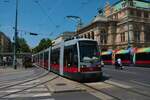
x,y
77,59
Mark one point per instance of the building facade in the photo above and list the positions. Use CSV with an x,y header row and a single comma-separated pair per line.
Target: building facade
x,y
5,43
124,24
63,36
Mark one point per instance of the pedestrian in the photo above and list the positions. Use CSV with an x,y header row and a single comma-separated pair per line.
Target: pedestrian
x,y
4,61
119,63
102,63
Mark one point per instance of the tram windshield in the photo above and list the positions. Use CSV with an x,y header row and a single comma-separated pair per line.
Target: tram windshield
x,y
88,53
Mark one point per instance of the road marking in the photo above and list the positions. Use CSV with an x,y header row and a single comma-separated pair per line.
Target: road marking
x,y
29,95
101,96
48,99
118,84
37,89
140,83
9,91
42,94
32,82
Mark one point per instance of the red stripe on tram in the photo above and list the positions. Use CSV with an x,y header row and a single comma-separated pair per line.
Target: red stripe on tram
x,y
143,62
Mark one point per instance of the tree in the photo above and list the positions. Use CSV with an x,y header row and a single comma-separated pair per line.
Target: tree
x,y
44,43
22,45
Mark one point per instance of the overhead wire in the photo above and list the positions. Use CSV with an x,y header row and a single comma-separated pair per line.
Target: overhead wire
x,y
44,12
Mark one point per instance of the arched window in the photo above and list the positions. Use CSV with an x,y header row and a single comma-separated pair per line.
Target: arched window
x,y
89,35
103,36
85,36
92,35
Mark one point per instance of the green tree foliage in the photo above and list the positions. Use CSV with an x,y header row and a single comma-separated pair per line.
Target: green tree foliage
x,y
22,45
44,43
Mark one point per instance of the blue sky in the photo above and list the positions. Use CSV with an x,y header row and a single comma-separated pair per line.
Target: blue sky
x,y
46,17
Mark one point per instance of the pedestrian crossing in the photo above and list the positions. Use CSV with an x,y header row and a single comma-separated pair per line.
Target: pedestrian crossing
x,y
24,92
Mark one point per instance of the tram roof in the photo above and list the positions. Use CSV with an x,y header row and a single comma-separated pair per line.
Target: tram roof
x,y
74,41
70,42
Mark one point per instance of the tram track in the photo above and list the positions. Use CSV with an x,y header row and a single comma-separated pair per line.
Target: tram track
x,y
98,90
27,88
128,89
114,96
37,76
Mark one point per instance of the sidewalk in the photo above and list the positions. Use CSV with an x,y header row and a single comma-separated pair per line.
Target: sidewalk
x,y
61,85
10,69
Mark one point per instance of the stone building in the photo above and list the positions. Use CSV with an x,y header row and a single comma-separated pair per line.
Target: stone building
x,y
63,36
5,43
122,25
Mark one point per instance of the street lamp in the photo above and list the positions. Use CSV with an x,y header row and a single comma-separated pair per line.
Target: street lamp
x,y
15,36
128,23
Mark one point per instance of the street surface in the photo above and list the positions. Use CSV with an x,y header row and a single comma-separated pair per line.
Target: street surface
x,y
131,83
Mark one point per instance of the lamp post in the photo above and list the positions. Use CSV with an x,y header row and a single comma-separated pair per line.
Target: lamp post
x,y
128,23
15,36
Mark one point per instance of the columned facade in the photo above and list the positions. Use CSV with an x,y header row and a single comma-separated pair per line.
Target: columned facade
x,y
125,24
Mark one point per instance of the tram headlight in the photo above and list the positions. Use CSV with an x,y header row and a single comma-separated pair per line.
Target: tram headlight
x,y
98,65
83,66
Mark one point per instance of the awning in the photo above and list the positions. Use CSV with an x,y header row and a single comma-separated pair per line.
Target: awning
x,y
122,51
141,50
106,53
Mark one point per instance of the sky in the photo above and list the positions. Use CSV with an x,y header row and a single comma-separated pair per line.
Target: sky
x,y
47,18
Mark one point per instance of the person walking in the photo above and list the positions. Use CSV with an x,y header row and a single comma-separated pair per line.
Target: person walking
x,y
119,63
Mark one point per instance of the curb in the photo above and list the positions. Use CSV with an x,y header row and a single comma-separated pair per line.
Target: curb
x,y
52,90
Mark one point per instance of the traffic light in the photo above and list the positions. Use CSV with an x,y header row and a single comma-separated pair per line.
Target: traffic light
x,y
33,33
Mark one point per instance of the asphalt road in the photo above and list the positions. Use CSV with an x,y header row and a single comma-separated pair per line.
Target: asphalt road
x,y
131,83
128,74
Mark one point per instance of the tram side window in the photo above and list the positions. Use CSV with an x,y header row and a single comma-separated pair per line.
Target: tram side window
x,y
70,56
41,56
46,55
123,56
55,56
107,57
143,56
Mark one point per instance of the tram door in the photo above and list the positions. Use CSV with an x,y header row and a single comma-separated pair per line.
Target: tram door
x,y
61,59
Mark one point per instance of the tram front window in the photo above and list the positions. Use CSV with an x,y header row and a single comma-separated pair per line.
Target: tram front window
x,y
88,53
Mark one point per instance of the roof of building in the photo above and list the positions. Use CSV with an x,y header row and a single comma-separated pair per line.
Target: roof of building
x,y
100,18
6,37
147,1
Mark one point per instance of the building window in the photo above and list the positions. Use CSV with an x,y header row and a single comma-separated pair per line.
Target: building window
x,y
92,35
103,37
145,14
85,36
137,36
89,35
131,12
122,35
138,13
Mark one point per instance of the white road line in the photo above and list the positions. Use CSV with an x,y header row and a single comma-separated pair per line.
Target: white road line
x,y
48,99
140,83
22,86
32,82
29,95
118,84
10,91
42,94
37,89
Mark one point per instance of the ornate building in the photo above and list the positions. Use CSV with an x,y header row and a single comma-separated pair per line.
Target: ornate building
x,y
124,24
5,43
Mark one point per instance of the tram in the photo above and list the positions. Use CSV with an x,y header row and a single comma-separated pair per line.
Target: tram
x,y
124,55
142,57
76,59
106,56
